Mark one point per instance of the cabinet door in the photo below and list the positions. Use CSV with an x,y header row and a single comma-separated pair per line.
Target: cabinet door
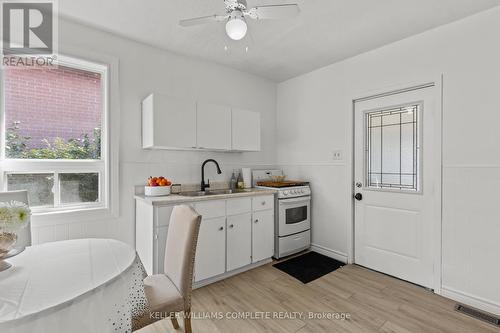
x,y
211,249
262,235
211,209
160,241
213,130
239,206
144,235
245,130
239,246
162,215
168,122
263,202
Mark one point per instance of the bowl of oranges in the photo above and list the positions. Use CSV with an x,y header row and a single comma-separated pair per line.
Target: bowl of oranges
x,y
157,186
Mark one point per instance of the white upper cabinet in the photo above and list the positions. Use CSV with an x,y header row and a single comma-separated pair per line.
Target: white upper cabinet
x,y
245,130
168,122
182,124
213,126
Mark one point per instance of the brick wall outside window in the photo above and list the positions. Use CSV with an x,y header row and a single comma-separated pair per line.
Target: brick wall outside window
x,y
50,103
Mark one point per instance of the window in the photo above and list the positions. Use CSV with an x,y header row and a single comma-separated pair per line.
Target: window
x,y
54,134
392,148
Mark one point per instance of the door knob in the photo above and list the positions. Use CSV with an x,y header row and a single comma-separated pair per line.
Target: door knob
x,y
358,196
221,228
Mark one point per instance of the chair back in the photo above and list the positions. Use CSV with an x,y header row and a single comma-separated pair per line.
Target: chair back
x,y
180,251
23,235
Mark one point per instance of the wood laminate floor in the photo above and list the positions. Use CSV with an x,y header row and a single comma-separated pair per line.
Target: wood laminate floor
x,y
375,303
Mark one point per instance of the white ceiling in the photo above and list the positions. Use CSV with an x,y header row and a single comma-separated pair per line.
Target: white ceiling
x,y
326,31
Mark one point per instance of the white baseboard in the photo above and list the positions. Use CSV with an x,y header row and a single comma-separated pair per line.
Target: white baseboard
x,y
229,274
329,253
476,302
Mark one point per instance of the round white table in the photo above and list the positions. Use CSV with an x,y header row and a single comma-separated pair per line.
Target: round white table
x,y
84,285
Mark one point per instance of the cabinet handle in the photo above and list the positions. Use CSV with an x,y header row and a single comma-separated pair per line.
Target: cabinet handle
x,y
256,220
231,225
221,228
263,203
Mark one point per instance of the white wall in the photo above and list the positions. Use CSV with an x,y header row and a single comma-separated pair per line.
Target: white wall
x,y
142,70
314,113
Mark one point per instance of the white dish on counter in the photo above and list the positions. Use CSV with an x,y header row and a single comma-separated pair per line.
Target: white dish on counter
x,y
156,191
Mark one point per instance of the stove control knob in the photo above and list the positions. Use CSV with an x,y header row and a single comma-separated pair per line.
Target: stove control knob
x,y
285,193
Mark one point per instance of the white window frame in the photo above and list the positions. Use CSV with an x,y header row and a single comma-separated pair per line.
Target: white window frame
x,y
101,166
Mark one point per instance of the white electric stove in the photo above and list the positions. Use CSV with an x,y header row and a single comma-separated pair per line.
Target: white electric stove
x,y
292,212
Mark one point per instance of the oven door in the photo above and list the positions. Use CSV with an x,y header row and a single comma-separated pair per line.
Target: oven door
x,y
294,215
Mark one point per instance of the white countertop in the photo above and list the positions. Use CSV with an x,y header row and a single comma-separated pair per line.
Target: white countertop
x,y
179,198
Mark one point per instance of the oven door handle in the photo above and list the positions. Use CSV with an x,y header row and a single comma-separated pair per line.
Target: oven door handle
x,y
294,200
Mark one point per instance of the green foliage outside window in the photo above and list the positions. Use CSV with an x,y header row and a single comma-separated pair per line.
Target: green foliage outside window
x,y
85,147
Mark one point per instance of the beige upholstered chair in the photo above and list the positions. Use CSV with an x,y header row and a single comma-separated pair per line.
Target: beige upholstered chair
x,y
171,292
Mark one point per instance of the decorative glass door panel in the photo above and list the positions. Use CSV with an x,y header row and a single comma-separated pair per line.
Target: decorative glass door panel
x,y
392,146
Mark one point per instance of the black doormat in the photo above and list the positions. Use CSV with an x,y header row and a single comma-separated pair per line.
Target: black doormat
x,y
309,266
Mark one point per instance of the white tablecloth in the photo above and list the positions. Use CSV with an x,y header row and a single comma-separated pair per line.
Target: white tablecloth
x,y
85,285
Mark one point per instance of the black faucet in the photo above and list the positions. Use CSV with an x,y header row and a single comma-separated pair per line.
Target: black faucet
x,y
203,185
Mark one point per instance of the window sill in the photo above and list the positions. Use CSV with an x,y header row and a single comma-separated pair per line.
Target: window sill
x,y
72,215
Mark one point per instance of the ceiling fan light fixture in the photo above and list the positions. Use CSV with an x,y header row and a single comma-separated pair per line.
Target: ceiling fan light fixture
x,y
236,13
236,28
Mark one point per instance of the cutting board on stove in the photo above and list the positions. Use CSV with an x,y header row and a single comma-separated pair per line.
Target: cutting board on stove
x,y
285,183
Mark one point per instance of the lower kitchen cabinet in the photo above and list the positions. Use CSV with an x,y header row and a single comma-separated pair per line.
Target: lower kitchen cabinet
x,y
234,234
160,243
211,249
239,245
262,235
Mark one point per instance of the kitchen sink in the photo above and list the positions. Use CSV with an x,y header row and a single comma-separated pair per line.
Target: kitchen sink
x,y
211,192
193,194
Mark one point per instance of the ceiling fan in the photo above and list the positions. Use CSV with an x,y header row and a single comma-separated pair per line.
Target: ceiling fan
x,y
237,10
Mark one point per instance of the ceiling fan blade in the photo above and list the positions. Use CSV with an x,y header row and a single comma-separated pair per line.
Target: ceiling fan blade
x,y
273,12
202,20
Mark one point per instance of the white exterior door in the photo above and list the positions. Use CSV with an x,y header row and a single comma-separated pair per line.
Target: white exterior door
x,y
397,184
